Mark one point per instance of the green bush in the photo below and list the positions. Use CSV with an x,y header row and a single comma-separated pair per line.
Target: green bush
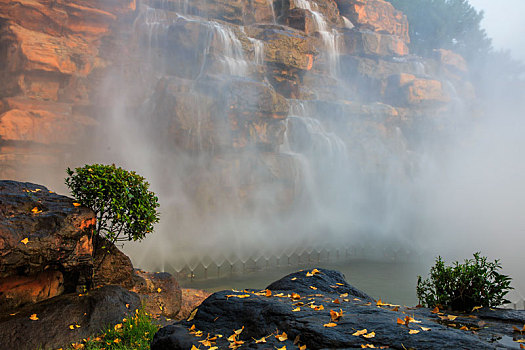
x,y
124,208
461,287
134,333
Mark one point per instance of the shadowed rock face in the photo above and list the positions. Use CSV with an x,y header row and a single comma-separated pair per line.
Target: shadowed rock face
x,y
303,320
92,312
43,237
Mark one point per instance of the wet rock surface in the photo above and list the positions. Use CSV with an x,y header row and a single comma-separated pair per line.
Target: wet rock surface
x,y
322,311
49,328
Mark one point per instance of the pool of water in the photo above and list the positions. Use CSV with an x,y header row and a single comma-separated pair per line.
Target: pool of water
x,y
392,281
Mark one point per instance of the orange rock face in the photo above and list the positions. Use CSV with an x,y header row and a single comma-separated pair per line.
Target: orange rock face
x,y
19,290
49,51
376,15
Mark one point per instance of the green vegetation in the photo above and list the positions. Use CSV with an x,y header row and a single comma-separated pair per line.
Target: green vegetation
x,y
124,208
462,287
448,24
134,333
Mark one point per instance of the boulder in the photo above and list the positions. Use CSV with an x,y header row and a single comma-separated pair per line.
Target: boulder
x,y
320,310
191,298
376,15
159,292
44,240
49,328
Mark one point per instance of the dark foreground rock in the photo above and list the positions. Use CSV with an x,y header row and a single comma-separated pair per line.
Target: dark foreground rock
x,y
301,306
50,325
45,244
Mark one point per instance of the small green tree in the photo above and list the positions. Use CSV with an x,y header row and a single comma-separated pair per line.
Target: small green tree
x,y
124,207
461,287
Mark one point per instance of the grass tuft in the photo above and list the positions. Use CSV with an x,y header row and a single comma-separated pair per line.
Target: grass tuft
x,y
133,333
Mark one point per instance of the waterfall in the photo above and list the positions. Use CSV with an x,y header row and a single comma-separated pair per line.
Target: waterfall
x,y
331,37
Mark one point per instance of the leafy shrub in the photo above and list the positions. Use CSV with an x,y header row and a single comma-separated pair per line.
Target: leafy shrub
x,y
124,208
461,287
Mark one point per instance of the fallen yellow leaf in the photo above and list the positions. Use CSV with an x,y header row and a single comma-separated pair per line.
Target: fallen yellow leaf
x,y
312,287
335,316
476,308
396,308
116,341
76,204
425,329
336,301
295,296
192,315
314,272
302,347
344,295
368,346
361,332
340,284
413,331
262,340
35,210
238,331
369,335
331,324
268,293
281,337
193,347
71,327
296,309
159,290
464,328
33,317
25,240
435,311
283,348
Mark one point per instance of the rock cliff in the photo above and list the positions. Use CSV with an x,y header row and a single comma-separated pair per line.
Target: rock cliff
x,y
222,100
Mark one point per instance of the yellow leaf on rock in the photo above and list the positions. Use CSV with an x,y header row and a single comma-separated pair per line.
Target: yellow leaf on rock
x,y
368,346
329,325
294,278
71,326
283,348
313,272
413,331
295,296
76,204
335,316
464,328
361,332
344,295
312,287
369,335
340,284
25,240
268,293
262,340
193,347
302,347
192,315
296,309
281,337
400,321
435,311
425,329
35,210
33,317
336,301
476,308
239,331
451,317
159,290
